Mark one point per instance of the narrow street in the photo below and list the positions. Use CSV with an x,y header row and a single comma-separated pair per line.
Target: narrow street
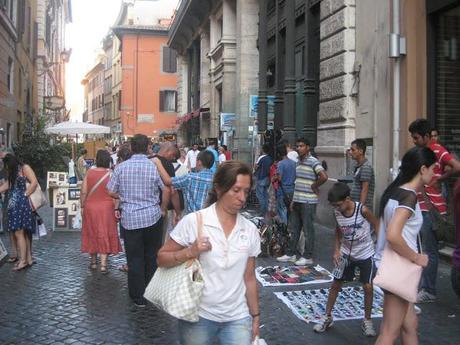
x,y
60,301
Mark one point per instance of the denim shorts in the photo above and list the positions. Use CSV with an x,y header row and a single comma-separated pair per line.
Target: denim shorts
x,y
204,332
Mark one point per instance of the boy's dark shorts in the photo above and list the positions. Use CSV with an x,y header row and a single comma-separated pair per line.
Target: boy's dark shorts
x,y
367,271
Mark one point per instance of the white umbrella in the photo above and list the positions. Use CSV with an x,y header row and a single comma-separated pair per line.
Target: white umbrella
x,y
74,128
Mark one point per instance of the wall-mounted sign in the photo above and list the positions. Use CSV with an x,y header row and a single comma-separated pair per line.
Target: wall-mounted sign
x,y
227,121
54,102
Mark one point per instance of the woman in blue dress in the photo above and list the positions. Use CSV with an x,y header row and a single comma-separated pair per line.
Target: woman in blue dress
x,y
21,217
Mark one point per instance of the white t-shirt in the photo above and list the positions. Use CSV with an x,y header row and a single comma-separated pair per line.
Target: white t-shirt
x,y
191,157
356,236
293,155
405,198
224,293
222,158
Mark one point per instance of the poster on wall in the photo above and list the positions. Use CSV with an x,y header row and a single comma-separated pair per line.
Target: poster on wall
x,y
227,121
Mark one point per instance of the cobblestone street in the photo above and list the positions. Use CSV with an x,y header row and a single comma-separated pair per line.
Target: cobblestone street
x,y
60,301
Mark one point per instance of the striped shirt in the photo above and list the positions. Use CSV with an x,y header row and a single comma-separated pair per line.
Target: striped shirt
x,y
433,192
363,173
307,171
138,184
356,237
195,187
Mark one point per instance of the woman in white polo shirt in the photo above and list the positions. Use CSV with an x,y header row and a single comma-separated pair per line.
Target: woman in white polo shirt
x,y
229,306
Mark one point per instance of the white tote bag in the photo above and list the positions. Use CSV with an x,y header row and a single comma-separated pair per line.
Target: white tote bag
x,y
177,290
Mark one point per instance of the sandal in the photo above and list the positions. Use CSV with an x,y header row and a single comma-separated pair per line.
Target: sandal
x,y
12,259
93,265
20,267
123,268
104,269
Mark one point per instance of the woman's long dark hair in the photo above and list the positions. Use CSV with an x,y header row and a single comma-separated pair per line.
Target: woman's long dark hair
x,y
411,163
12,166
225,178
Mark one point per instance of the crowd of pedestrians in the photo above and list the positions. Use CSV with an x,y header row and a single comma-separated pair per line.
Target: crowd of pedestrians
x,y
154,197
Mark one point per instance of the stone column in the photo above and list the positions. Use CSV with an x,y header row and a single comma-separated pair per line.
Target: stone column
x,y
205,92
310,109
289,79
247,70
279,72
262,105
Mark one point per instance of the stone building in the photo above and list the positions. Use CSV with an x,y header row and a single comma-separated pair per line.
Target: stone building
x,y
52,55
217,65
107,46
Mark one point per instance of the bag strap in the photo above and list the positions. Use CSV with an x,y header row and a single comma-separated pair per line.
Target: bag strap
x,y
97,184
199,222
358,208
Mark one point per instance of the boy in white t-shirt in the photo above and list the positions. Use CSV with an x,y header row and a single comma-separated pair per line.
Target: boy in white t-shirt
x,y
354,247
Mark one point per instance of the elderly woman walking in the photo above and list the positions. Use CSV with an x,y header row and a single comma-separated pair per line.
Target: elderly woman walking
x,y
99,233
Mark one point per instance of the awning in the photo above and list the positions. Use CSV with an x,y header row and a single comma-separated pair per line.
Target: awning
x,y
192,115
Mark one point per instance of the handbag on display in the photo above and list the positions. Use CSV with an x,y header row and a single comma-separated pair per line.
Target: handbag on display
x,y
177,290
37,198
398,275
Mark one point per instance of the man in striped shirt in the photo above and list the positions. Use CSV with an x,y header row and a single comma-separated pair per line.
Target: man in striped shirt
x,y
445,166
363,186
310,175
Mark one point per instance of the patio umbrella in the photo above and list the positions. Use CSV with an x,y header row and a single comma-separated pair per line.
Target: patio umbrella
x,y
75,128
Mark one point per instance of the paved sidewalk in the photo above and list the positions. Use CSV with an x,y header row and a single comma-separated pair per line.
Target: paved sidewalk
x,y
60,301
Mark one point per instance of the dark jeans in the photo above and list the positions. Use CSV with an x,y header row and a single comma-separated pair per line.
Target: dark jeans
x,y
302,216
430,248
455,279
141,246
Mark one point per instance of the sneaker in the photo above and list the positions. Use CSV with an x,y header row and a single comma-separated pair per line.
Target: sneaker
x,y
324,324
303,262
140,303
286,258
424,296
368,328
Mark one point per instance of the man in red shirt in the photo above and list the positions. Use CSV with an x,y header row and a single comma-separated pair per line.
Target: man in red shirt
x,y
420,131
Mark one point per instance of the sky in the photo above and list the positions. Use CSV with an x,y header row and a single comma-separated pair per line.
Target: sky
x,y
92,20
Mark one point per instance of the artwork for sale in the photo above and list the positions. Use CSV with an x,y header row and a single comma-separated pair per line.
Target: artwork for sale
x,y
60,197
74,194
292,275
60,217
310,305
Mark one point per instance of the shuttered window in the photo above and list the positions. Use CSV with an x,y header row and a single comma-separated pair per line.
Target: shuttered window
x,y
169,60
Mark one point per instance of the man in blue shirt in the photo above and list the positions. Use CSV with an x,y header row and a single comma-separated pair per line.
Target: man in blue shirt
x,y
137,183
285,174
262,172
212,148
195,185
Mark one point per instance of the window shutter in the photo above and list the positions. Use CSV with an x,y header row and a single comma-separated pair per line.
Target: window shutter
x,y
173,63
166,59
175,101
162,101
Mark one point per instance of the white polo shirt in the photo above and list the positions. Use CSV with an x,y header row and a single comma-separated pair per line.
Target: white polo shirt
x,y
191,157
224,293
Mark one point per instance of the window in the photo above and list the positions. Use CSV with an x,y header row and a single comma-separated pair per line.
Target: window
x,y
168,101
169,60
9,76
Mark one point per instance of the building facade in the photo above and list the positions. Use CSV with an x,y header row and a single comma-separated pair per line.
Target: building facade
x,y
95,93
360,69
216,44
52,55
148,102
107,46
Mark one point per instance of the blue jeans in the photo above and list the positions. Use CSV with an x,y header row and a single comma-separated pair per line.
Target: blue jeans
x,y
430,248
281,206
262,195
302,216
203,332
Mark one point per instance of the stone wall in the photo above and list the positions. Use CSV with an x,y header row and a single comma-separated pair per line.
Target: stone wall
x,y
337,110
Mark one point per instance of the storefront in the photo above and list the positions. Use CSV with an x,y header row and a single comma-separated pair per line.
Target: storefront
x,y
443,32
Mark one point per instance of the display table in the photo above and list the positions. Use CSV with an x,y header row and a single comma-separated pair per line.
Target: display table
x,y
65,200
